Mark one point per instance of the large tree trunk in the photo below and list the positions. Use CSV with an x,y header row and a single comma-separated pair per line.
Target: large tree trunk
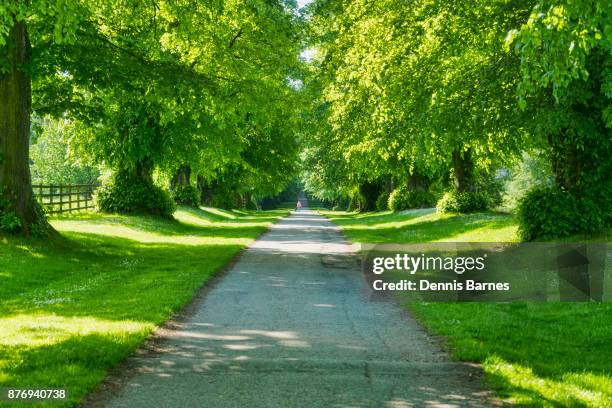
x,y
417,182
181,177
144,170
463,171
567,162
369,193
388,185
206,191
15,108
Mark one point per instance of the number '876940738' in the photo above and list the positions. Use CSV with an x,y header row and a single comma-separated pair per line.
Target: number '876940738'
x,y
32,394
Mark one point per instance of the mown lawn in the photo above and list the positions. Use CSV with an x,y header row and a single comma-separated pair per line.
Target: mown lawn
x,y
74,306
533,354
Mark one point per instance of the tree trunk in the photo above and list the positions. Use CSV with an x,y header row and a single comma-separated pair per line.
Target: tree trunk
x,y
181,177
15,108
144,170
417,182
369,192
463,171
200,186
567,162
206,191
388,185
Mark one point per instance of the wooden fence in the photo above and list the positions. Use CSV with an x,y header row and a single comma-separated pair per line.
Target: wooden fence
x,y
66,197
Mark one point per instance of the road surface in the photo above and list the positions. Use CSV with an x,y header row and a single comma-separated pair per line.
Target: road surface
x,y
292,324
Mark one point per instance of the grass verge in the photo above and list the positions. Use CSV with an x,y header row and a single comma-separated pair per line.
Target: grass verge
x,y
74,307
533,354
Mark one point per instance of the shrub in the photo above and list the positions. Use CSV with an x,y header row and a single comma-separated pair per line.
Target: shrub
x,y
491,187
402,199
531,172
128,194
464,202
382,202
548,212
186,194
10,222
227,199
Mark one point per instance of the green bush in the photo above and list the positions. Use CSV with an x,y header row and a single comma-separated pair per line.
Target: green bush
x,y
548,212
532,171
227,199
10,222
464,202
402,199
382,202
491,188
128,194
186,194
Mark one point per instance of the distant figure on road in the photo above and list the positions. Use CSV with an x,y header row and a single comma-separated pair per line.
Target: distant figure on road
x,y
298,205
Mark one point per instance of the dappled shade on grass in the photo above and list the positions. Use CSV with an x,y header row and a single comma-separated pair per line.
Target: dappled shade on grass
x,y
533,354
74,307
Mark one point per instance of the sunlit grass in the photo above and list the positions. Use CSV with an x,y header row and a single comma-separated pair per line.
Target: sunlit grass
x,y
425,225
147,237
533,354
529,389
48,329
73,307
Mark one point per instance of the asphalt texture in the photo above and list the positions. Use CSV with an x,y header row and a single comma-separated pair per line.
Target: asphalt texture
x,y
292,324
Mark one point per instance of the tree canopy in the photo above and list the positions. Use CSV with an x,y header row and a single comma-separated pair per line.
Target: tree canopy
x,y
363,98
408,95
162,85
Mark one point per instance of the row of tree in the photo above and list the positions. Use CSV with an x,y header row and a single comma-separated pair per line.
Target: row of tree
x,y
406,94
196,90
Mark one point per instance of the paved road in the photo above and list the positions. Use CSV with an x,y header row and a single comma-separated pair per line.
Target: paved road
x,y
291,325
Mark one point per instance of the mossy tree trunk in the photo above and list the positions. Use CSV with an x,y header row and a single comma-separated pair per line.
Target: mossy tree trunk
x,y
15,109
417,182
144,170
369,192
206,191
568,164
181,177
388,185
463,171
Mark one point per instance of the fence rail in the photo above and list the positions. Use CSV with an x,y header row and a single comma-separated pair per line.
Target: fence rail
x,y
60,198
